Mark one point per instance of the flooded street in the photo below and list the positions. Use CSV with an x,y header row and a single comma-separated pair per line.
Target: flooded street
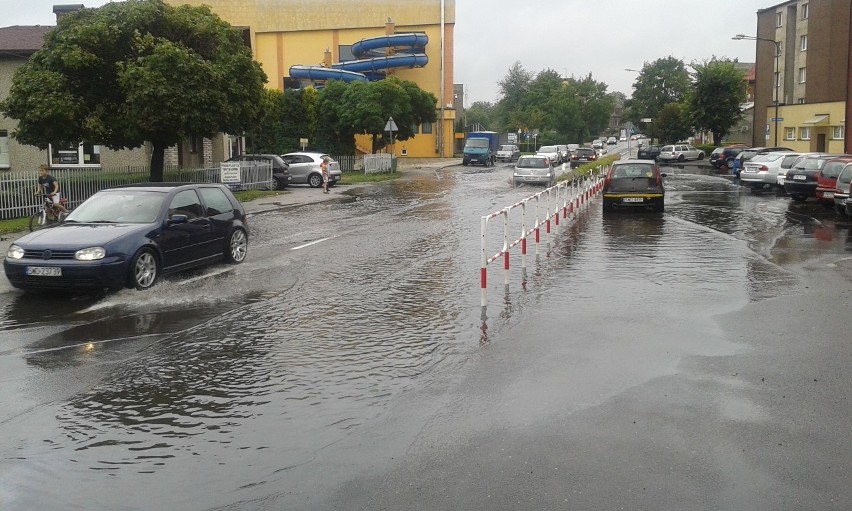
x,y
655,361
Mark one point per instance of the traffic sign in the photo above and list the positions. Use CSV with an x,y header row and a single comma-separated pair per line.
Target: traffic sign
x,y
774,119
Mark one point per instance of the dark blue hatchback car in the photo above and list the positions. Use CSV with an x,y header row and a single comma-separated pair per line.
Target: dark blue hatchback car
x,y
129,236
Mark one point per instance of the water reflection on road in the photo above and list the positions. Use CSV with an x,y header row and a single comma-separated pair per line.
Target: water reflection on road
x,y
236,387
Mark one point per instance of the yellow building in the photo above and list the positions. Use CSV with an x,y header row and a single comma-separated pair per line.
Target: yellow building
x,y
285,33
810,127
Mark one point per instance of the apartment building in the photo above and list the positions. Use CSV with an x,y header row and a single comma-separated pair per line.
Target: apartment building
x,y
809,76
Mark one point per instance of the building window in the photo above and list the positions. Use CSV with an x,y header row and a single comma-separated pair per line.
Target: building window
x,y
4,149
837,132
779,19
426,127
69,155
414,129
804,11
803,42
805,133
803,74
800,101
789,133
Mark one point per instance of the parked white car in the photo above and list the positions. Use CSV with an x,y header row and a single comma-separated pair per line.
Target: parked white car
x,y
680,152
508,152
762,169
305,168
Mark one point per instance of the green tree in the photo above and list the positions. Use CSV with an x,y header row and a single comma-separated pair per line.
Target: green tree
x,y
662,82
717,96
672,123
133,72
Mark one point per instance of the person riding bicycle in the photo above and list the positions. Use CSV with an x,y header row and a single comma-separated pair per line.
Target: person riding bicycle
x,y
49,186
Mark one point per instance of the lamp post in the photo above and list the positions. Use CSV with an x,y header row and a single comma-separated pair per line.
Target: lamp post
x,y
777,76
628,138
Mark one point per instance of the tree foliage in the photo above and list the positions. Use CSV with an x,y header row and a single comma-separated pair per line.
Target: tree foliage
x,y
660,83
672,123
716,97
133,72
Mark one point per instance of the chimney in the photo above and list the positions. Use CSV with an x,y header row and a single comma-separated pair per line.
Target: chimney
x,y
62,10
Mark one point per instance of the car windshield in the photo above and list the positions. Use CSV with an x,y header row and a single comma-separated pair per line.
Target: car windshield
x,y
506,148
547,149
833,168
811,164
532,163
119,206
845,175
766,158
789,161
477,142
631,170
585,152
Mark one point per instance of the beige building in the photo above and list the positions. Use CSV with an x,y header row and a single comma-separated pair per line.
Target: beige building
x,y
289,33
810,75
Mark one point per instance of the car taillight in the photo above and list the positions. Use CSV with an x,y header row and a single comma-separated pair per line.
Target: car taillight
x,y
763,168
593,157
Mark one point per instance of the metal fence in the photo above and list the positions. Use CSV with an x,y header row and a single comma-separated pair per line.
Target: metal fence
x,y
374,163
17,188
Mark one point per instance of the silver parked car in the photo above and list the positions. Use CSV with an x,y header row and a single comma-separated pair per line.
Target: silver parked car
x,y
680,152
305,168
762,169
508,152
534,169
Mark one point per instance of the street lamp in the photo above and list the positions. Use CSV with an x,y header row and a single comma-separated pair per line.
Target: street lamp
x,y
628,138
740,37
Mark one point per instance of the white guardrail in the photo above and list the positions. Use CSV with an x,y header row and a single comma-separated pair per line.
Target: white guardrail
x,y
561,201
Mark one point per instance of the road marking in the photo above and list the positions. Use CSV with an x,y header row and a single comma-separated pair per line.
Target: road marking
x,y
309,244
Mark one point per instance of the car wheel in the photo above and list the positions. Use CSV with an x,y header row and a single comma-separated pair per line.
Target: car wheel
x,y
841,210
700,156
798,197
144,269
608,205
237,248
729,163
315,180
681,158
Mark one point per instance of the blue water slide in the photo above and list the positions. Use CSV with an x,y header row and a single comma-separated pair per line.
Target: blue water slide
x,y
375,55
321,73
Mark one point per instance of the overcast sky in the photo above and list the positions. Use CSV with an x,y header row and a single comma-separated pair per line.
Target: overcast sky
x,y
572,37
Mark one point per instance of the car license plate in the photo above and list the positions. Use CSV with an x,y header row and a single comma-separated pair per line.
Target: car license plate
x,y
633,199
44,271
800,178
828,195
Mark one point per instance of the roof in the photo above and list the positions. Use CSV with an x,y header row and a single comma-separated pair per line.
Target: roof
x,y
21,39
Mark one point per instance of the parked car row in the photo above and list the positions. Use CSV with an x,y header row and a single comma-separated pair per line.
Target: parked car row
x,y
296,168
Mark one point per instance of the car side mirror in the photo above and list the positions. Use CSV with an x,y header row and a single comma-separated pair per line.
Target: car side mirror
x,y
178,219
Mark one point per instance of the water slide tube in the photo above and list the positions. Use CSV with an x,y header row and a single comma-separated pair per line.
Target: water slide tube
x,y
374,57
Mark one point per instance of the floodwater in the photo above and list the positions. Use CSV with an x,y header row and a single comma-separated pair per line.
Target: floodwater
x,y
278,382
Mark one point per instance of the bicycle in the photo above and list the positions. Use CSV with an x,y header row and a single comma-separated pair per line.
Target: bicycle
x,y
48,214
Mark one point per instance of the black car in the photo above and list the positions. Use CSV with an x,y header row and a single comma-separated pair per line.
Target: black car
x,y
724,156
634,184
583,155
128,236
280,168
649,152
802,179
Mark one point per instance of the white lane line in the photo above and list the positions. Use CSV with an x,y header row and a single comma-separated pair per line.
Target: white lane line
x,y
309,244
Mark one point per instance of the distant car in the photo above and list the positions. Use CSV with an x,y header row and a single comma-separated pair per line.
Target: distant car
x,y
680,152
280,169
827,179
305,168
611,141
634,184
583,155
508,153
649,152
724,156
536,169
128,236
564,153
551,152
750,152
842,189
597,143
801,180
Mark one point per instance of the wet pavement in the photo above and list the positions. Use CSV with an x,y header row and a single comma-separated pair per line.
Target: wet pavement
x,y
695,359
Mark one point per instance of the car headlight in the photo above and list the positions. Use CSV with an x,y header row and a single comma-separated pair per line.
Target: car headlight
x,y
15,252
90,254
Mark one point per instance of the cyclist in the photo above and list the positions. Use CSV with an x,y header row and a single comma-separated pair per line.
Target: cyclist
x,y
49,186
